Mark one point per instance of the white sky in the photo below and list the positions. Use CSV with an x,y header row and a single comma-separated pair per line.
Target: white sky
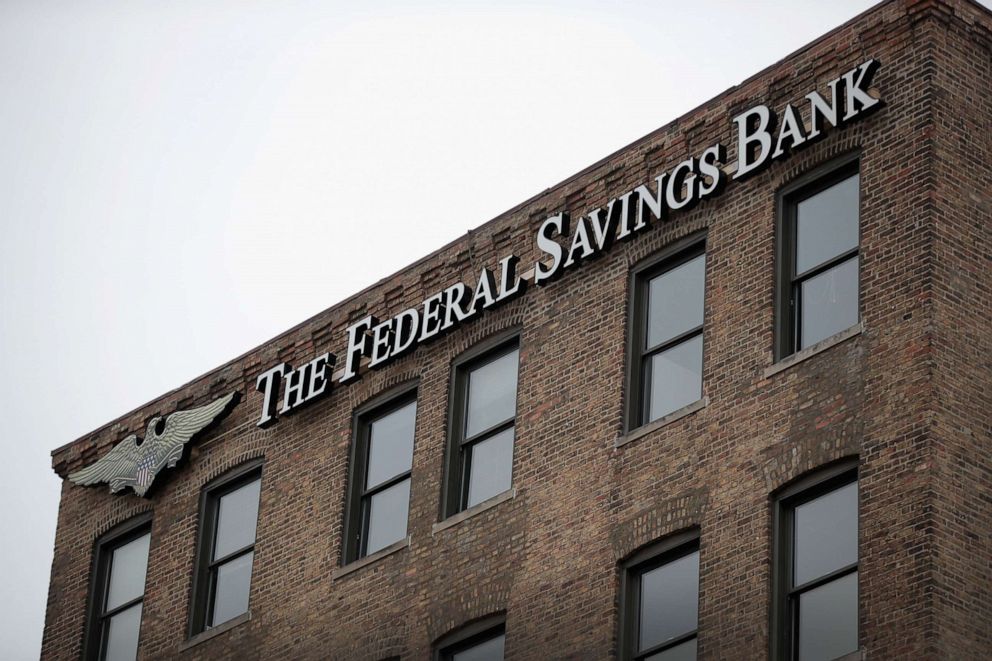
x,y
181,181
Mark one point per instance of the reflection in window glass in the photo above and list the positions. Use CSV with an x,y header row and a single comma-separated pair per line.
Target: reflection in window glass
x,y
821,264
669,600
827,224
391,445
480,463
828,620
231,588
684,652
821,577
669,306
122,635
388,513
661,603
675,301
491,464
826,530
492,394
379,501
676,377
122,563
489,650
829,302
236,519
127,572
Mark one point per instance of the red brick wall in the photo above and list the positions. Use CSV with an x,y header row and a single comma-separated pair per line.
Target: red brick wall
x,y
908,395
961,426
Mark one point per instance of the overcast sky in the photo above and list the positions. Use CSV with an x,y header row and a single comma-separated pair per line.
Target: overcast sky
x,y
181,181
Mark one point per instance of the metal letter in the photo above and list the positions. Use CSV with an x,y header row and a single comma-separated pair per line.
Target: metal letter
x,y
709,169
382,341
856,91
358,346
405,335
558,224
268,384
319,377
747,161
295,390
680,179
431,317
790,132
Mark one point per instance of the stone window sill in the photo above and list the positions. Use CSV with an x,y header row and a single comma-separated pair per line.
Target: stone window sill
x,y
663,421
811,351
213,632
370,559
475,510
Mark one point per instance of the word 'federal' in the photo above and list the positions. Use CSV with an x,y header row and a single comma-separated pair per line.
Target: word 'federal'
x,y
760,140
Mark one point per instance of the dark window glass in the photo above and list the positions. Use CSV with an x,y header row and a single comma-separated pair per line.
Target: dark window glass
x,y
820,259
118,593
826,533
379,500
490,650
667,352
480,461
229,523
661,598
480,642
669,600
683,652
818,565
828,619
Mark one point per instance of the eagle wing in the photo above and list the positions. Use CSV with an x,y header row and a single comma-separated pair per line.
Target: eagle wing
x,y
182,426
118,467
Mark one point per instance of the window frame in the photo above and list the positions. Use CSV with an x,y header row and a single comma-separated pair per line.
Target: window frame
x,y
469,636
669,549
784,638
788,297
203,582
457,472
94,638
355,520
670,258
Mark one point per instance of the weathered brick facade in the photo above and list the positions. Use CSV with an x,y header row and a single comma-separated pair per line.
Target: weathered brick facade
x,y
908,396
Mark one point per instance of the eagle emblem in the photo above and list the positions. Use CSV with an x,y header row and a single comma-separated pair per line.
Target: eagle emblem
x,y
135,462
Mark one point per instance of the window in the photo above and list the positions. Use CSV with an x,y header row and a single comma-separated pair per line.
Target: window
x,y
118,592
819,244
229,516
484,407
816,614
480,641
382,456
660,601
666,362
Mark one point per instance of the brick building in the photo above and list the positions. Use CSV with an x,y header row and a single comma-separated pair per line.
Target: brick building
x,y
741,410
